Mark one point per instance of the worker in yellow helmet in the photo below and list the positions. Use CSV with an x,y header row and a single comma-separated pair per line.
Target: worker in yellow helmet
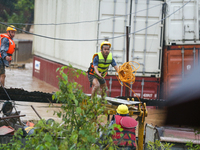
x,y
7,48
99,67
125,138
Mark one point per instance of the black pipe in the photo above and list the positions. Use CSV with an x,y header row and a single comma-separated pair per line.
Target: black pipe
x,y
127,56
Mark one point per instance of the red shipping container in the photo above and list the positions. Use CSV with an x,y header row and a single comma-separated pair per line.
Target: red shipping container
x,y
178,61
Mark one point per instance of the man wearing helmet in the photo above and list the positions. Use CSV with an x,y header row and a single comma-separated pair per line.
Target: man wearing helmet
x,y
7,48
99,67
126,138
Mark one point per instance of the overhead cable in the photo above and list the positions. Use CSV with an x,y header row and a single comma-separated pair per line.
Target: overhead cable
x,y
102,38
77,40
162,19
86,21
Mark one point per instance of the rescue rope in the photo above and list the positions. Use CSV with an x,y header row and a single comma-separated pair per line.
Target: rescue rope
x,y
127,71
126,75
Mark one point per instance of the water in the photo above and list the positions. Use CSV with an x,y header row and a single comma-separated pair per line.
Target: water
x,y
22,78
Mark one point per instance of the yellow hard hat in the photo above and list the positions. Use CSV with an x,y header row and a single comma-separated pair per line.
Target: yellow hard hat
x,y
11,28
105,43
122,109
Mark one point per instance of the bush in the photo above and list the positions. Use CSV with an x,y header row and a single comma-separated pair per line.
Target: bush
x,y
81,125
158,145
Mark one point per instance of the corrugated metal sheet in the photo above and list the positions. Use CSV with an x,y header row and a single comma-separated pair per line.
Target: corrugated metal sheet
x,y
177,63
183,26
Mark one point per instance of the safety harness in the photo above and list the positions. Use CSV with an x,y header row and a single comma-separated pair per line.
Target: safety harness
x,y
102,65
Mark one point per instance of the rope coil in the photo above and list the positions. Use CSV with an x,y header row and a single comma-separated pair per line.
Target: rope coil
x,y
126,74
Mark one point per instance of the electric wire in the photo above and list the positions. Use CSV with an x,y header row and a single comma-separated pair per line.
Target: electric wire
x,y
79,40
89,21
163,18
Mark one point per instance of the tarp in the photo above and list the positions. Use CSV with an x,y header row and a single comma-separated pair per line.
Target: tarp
x,y
183,106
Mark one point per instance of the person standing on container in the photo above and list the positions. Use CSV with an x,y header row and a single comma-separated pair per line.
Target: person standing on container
x,y
99,67
7,48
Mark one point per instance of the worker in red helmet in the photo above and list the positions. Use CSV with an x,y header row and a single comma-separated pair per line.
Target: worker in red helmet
x,y
126,138
7,48
99,67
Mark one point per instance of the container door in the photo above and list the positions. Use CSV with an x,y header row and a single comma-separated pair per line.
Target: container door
x,y
178,63
182,27
145,41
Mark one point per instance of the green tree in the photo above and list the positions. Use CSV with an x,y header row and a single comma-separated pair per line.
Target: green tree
x,y
25,10
8,6
22,12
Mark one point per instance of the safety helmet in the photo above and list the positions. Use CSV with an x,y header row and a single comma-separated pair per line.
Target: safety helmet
x,y
122,109
11,28
105,43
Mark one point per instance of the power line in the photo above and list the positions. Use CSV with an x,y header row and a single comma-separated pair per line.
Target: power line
x,y
86,21
162,19
59,38
99,39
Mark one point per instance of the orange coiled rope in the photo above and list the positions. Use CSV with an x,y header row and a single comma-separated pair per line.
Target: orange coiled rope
x,y
126,74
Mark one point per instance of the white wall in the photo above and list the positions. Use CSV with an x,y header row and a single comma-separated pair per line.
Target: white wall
x,y
78,54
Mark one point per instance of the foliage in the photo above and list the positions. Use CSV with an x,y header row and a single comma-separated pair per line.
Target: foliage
x,y
191,146
158,145
80,113
9,6
16,18
15,143
23,12
81,125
